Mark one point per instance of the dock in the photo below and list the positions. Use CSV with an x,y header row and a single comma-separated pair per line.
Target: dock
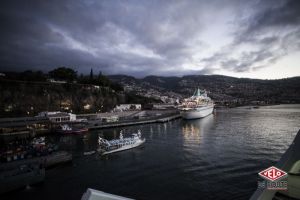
x,y
53,159
166,119
162,119
18,127
18,174
57,158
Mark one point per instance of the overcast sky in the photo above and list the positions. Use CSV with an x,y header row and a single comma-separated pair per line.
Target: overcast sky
x,y
241,38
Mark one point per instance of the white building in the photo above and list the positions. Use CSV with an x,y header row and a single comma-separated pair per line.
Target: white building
x,y
125,107
58,117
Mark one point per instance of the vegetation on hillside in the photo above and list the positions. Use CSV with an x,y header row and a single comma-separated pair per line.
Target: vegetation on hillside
x,y
30,92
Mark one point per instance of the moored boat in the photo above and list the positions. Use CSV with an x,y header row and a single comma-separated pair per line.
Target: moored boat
x,y
40,141
121,144
66,129
197,106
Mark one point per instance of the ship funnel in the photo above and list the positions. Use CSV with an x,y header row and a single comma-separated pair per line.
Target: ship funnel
x,y
197,93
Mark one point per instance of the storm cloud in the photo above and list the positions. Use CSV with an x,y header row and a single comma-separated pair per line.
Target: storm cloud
x,y
148,37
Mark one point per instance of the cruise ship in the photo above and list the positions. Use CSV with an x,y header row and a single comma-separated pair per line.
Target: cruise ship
x,y
121,144
197,106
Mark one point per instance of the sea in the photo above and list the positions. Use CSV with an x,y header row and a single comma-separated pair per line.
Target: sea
x,y
216,157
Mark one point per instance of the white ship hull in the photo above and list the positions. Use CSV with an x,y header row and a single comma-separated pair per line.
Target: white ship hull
x,y
125,147
196,113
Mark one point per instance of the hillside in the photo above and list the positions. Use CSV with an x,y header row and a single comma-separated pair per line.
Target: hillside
x,y
20,98
223,89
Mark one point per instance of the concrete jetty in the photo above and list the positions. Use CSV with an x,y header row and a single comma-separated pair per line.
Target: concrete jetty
x,y
56,158
18,175
135,122
92,121
50,160
22,173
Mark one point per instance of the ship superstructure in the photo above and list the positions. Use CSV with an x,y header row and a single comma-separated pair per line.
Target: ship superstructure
x,y
197,106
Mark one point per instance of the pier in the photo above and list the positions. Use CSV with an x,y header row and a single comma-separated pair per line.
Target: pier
x,y
57,158
160,119
17,128
18,174
47,161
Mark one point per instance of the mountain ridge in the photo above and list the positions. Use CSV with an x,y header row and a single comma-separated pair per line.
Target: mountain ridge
x,y
191,75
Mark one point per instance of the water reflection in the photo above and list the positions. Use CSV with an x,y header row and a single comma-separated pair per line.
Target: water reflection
x,y
158,129
190,131
217,157
151,132
67,140
193,130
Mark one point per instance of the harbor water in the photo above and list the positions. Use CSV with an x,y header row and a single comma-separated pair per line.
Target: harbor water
x,y
217,157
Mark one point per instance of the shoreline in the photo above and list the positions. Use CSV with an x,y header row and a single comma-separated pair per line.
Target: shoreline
x,y
92,125
165,116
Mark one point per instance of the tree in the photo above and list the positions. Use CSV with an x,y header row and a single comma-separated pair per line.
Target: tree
x,y
63,73
91,74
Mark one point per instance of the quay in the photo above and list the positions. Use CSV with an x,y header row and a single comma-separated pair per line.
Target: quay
x,y
28,127
53,159
18,174
134,122
57,158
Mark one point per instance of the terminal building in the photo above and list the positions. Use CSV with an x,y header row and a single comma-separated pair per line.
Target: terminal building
x,y
58,117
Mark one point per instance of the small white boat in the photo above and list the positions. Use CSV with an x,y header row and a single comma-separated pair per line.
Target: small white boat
x,y
38,141
66,129
121,144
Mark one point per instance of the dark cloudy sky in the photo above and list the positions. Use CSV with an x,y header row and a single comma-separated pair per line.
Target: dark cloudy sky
x,y
242,38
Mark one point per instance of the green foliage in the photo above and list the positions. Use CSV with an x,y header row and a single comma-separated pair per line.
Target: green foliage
x,y
133,98
64,74
116,86
99,80
91,74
